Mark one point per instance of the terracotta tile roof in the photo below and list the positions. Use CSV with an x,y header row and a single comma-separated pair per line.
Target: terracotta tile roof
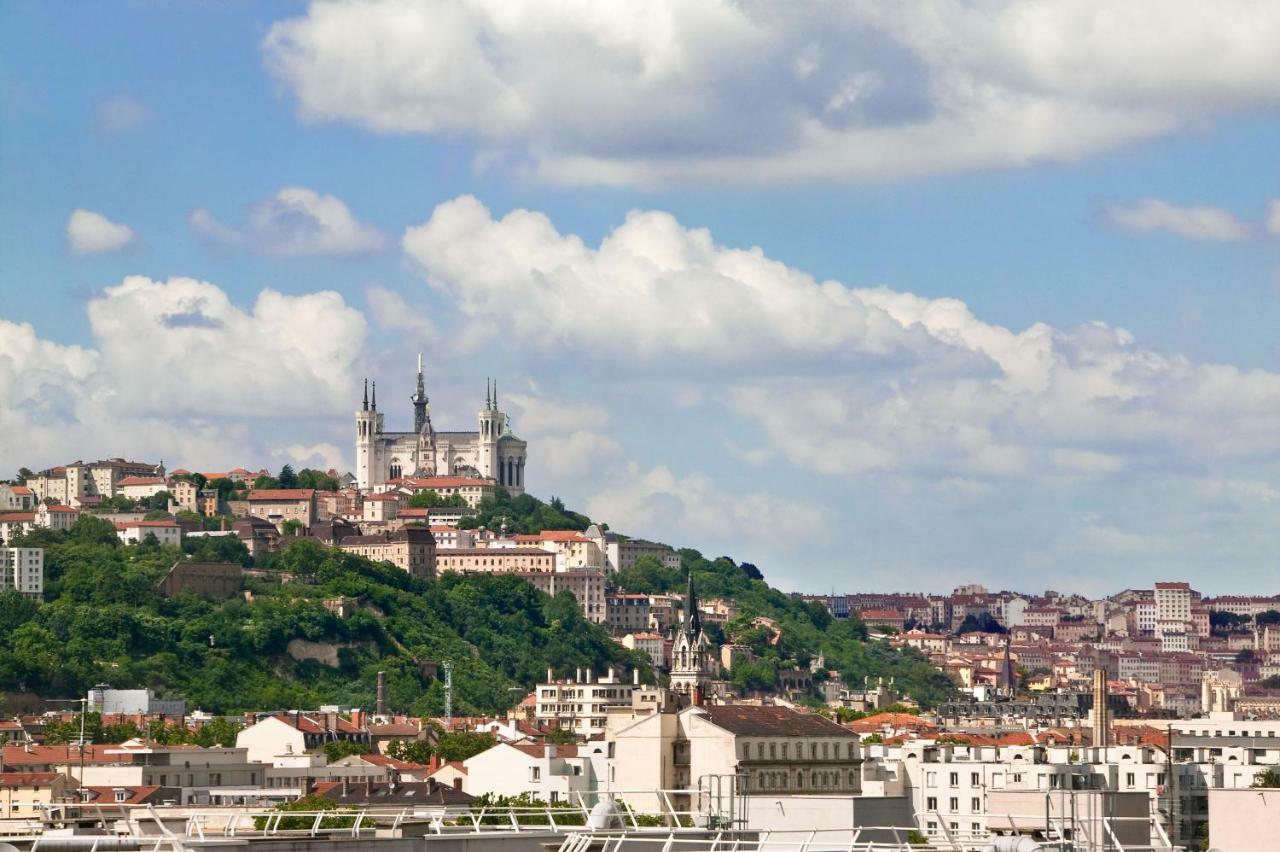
x,y
756,721
56,755
17,517
141,480
281,494
27,779
137,795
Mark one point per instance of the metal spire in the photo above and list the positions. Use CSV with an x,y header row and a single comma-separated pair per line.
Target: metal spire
x,y
366,394
375,396
495,394
488,404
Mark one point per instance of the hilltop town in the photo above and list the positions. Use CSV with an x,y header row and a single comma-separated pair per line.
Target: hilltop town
x,y
427,622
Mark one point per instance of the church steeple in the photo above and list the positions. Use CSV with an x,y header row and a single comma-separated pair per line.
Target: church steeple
x,y
692,618
366,395
419,399
488,401
374,404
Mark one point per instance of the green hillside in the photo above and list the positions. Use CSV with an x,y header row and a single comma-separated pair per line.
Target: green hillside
x,y
102,620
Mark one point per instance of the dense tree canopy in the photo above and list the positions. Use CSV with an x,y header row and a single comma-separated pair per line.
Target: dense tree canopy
x,y
103,621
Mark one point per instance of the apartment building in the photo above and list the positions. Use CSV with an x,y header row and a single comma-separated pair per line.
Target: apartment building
x,y
489,560
581,704
411,549
586,586
626,613
22,569
280,505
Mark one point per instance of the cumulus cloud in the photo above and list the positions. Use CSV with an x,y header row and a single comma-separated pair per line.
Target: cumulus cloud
x,y
1206,224
322,456
571,439
843,380
667,91
120,113
391,311
176,370
182,347
295,221
696,509
92,233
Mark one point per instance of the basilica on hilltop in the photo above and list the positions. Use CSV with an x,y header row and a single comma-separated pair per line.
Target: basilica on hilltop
x,y
491,451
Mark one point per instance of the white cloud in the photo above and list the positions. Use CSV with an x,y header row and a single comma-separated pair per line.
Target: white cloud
x,y
668,91
841,380
694,509
208,227
295,221
391,311
182,347
92,233
322,456
176,371
120,113
571,440
1207,224
1273,218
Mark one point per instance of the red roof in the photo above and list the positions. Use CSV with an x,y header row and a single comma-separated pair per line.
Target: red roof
x,y
141,480
21,489
64,510
27,779
281,494
17,517
124,525
383,497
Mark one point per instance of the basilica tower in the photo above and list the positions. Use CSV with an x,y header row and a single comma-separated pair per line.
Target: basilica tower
x,y
691,664
368,427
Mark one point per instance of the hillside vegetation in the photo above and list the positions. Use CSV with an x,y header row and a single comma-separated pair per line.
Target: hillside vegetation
x,y
103,621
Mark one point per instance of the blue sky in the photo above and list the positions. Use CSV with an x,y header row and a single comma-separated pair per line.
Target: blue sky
x,y
840,435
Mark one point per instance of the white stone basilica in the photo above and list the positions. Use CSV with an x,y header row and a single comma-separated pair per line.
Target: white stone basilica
x,y
491,451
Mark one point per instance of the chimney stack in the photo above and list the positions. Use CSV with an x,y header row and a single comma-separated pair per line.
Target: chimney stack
x,y
1099,716
381,706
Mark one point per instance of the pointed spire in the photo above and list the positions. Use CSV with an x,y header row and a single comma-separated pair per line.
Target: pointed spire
x,y
495,394
488,403
366,394
374,404
692,618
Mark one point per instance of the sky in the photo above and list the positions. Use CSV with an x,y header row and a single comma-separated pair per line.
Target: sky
x,y
876,295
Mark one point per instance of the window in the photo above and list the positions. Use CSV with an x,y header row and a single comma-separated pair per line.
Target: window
x,y
931,779
1128,779
785,748
954,804
773,750
976,827
931,803
955,779
975,779
535,773
975,804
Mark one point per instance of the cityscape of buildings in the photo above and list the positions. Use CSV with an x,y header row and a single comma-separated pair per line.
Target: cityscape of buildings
x,y
1157,702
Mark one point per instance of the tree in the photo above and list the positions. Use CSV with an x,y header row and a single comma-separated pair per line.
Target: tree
x,y
410,751
338,749
1247,655
90,530
560,736
982,623
287,478
460,745
217,732
291,527
1266,778
754,675
24,473
1272,682
1271,616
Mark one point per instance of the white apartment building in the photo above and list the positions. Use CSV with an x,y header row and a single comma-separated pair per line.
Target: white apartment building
x,y
581,705
16,498
136,532
549,773
22,569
